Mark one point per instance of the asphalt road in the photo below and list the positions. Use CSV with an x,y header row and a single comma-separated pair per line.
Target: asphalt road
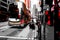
x,y
26,32
12,32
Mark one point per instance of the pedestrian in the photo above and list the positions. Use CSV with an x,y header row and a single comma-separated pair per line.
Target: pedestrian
x,y
31,25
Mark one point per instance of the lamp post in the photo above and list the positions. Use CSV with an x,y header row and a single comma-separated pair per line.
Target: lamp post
x,y
44,25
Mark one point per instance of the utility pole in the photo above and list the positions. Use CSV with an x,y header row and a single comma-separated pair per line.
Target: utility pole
x,y
43,24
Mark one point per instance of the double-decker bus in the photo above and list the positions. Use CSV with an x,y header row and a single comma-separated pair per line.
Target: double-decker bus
x,y
19,16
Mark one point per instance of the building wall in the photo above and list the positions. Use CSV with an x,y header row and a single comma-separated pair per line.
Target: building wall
x,y
36,3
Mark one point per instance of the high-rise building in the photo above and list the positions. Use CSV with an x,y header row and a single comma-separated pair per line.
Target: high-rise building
x,y
3,5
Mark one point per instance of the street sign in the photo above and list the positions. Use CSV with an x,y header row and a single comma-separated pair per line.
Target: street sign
x,y
17,0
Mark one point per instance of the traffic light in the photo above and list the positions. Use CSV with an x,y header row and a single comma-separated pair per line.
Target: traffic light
x,y
49,22
46,12
47,17
59,13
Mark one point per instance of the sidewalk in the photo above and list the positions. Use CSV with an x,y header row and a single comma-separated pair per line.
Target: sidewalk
x,y
49,32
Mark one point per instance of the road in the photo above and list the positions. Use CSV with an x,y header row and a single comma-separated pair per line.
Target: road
x,y
13,34
8,33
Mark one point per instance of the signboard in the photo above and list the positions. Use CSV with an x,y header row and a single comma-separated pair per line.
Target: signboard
x,y
17,0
